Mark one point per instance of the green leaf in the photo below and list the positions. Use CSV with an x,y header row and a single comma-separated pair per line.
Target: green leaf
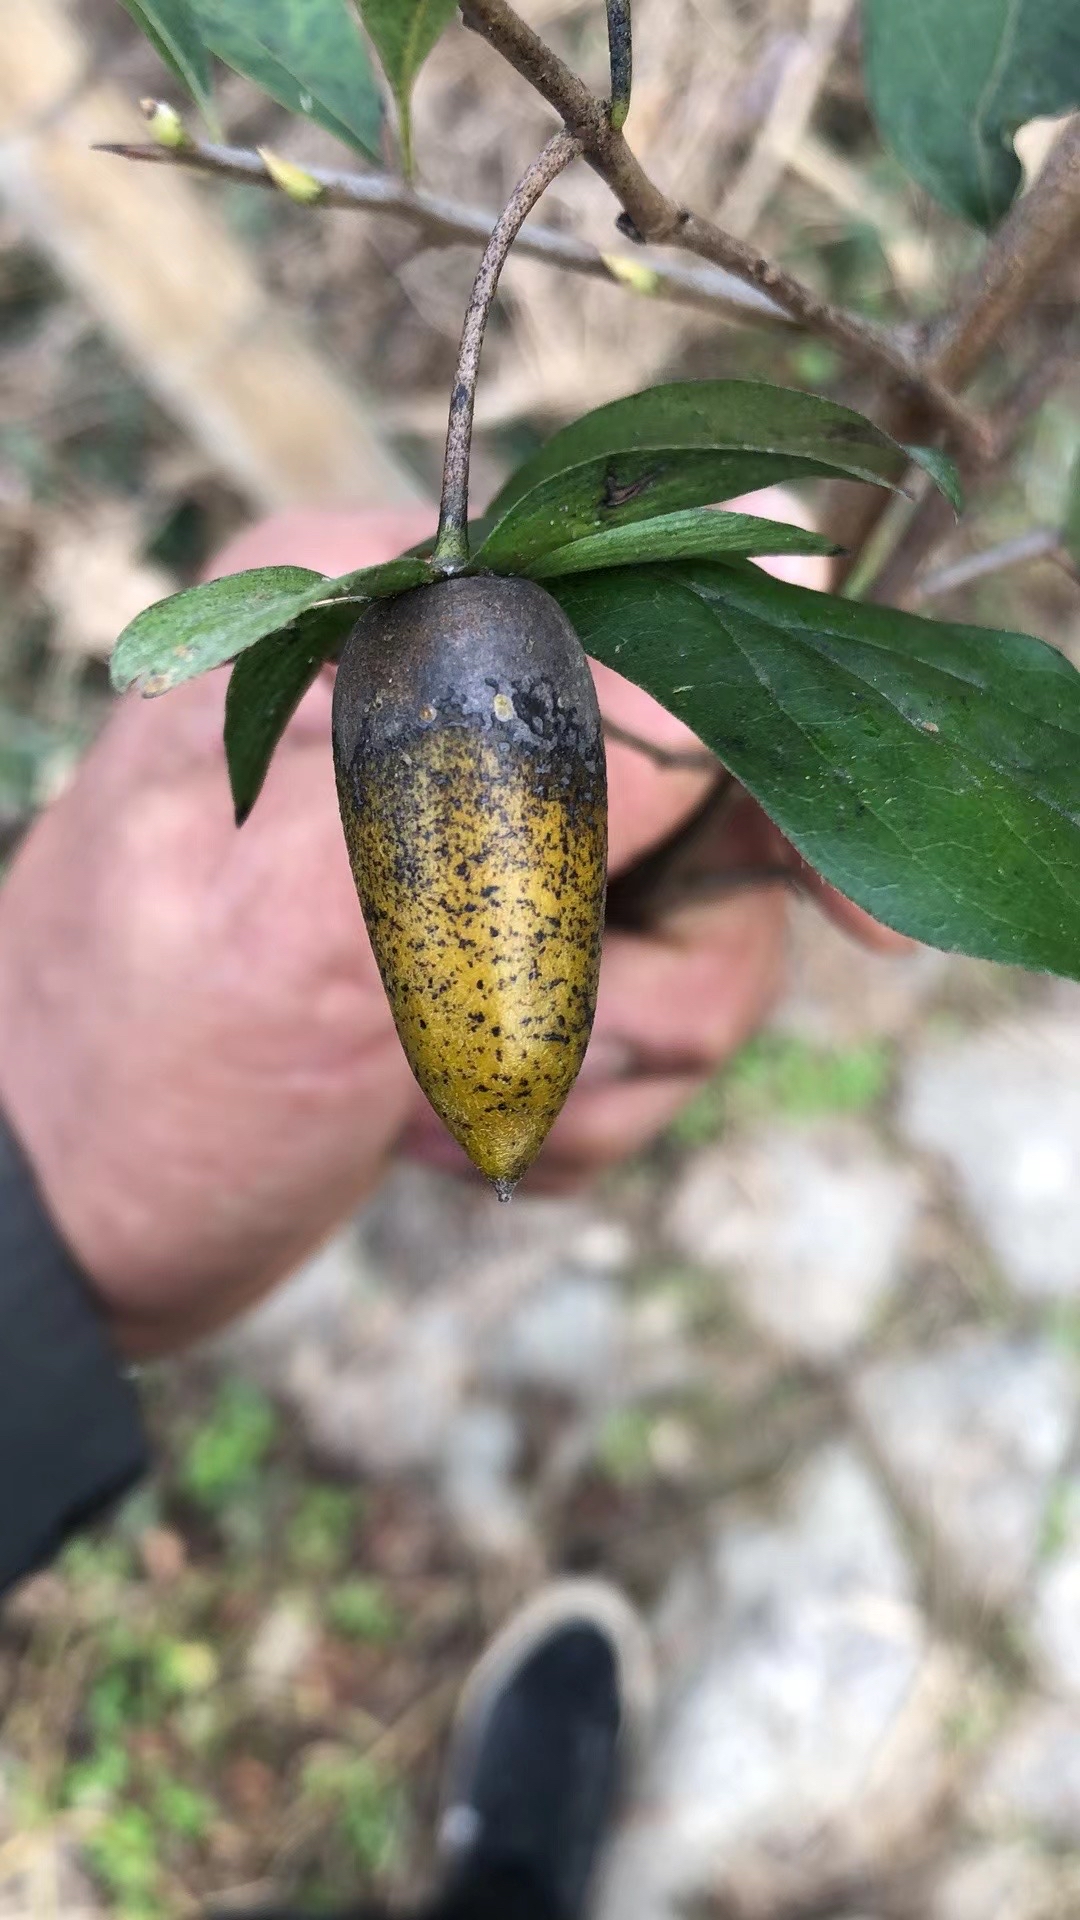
x,y
943,472
404,32
306,54
950,82
203,627
685,445
931,772
267,685
700,533
173,31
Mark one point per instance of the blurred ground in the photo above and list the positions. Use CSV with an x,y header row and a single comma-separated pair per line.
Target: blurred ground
x,y
806,1380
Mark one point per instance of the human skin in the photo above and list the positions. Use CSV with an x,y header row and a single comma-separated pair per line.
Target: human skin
x,y
195,1048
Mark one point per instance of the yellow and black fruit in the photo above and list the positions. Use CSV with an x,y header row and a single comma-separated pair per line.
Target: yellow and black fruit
x,y
470,769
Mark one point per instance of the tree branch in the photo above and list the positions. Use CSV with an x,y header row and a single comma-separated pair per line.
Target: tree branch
x,y
670,759
650,216
1034,234
1041,543
445,222
1037,231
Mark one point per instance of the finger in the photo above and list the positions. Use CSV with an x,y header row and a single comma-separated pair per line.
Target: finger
x,y
747,838
814,570
671,1010
327,541
851,919
645,801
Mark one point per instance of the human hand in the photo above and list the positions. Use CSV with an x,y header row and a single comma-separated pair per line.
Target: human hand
x,y
197,1052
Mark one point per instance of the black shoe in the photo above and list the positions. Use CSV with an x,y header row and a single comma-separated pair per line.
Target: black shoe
x,y
538,1753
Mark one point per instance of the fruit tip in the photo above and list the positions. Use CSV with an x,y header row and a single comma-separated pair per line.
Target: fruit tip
x,y
504,1189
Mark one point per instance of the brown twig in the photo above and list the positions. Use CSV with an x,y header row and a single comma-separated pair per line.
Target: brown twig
x,y
649,215
670,759
1056,361
1041,543
445,222
1036,232
451,550
783,128
693,865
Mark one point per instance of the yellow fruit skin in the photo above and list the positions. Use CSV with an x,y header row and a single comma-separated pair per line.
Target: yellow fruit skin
x,y
470,767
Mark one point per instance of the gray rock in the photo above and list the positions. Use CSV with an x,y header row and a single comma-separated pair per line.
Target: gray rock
x,y
565,1336
1008,1881
312,1306
379,1343
426,1229
810,1223
1032,1778
481,1452
974,1434
282,1644
44,1875
384,1403
1003,1108
1053,1626
840,993
802,1737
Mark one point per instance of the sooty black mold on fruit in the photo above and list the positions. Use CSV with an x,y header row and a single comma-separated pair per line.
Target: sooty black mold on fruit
x,y
470,769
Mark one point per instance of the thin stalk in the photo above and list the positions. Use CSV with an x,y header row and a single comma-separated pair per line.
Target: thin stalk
x,y
650,215
442,222
621,58
451,552
1042,543
1039,230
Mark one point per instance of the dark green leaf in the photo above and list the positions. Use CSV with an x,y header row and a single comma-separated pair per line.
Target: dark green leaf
x,y
267,685
173,32
202,627
205,626
404,32
701,533
942,471
686,445
931,772
951,81
306,54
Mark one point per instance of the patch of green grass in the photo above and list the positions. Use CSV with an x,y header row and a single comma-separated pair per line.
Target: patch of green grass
x,y
180,1809
140,1677
1063,1327
362,1610
223,1456
815,363
364,1804
320,1533
1058,1519
116,1699
622,1447
91,1561
180,1668
122,1852
781,1074
99,1780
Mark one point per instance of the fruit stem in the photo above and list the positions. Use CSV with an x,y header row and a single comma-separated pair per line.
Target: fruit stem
x,y
451,554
